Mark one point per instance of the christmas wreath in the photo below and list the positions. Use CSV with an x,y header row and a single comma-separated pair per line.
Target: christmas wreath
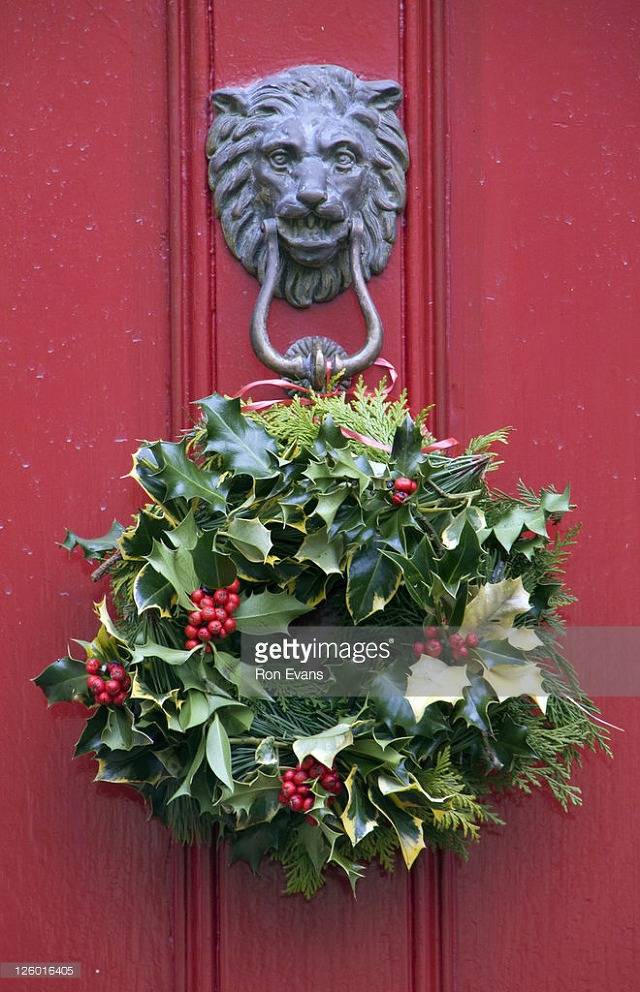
x,y
329,508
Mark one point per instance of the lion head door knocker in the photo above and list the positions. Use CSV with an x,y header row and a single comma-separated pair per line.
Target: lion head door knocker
x,y
308,173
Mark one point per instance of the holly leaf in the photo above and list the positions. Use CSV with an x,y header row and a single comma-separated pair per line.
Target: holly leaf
x,y
461,562
127,767
213,568
359,815
243,446
406,451
93,547
508,681
119,733
474,708
181,477
325,745
329,503
491,613
372,580
268,612
408,828
171,656
176,565
90,738
433,681
65,681
255,801
321,550
267,754
136,541
554,502
250,537
218,751
240,674
152,591
252,844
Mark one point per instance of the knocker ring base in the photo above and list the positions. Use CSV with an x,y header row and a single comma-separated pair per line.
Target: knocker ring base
x,y
310,359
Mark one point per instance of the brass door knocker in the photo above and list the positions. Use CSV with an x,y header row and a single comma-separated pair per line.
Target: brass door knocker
x,y
308,173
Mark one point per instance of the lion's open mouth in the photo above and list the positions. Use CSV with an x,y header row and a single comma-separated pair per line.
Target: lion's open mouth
x,y
312,239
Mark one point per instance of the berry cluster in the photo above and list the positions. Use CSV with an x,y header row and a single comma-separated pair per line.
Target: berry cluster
x,y
437,641
296,785
109,683
402,489
213,618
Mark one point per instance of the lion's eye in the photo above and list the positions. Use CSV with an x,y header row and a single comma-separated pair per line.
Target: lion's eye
x,y
344,158
279,158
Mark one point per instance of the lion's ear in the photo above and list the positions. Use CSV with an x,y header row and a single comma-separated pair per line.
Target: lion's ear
x,y
230,101
383,94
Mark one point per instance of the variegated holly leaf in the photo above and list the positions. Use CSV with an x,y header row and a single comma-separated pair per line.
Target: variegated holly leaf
x,y
408,828
180,476
152,591
372,580
176,565
242,445
433,681
325,745
324,552
268,612
359,815
517,680
250,537
93,547
65,681
492,611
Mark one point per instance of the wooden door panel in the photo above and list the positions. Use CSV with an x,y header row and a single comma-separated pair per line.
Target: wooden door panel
x,y
543,281
85,373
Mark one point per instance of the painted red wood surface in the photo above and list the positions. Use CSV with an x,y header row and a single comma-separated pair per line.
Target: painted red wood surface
x,y
510,298
543,107
85,371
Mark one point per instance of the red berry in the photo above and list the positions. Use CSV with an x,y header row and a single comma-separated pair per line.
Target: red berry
x,y
403,485
336,788
414,486
299,777
288,775
219,614
303,791
103,698
296,802
327,781
112,687
461,652
125,682
398,498
229,626
92,666
190,645
190,631
288,789
95,683
208,613
282,798
195,618
434,648
206,601
215,628
307,804
418,648
117,672
204,634
196,595
472,640
119,699
233,602
220,597
307,763
431,632
317,770
456,641
234,586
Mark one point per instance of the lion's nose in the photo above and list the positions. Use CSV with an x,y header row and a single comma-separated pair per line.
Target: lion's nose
x,y
312,195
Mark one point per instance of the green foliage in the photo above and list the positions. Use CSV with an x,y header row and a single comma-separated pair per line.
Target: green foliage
x,y
302,514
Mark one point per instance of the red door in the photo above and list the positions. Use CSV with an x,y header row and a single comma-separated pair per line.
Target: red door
x,y
511,298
